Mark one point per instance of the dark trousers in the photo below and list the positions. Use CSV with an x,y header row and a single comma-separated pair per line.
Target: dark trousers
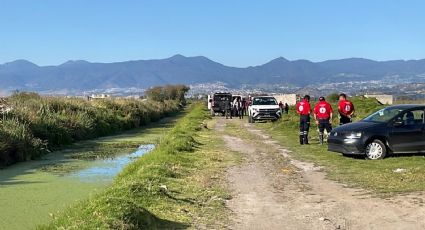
x,y
344,119
324,124
304,128
228,113
237,112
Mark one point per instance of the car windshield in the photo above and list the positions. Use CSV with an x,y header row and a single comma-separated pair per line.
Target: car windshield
x,y
264,101
383,115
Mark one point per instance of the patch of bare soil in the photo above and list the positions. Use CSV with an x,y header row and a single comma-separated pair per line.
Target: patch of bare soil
x,y
269,193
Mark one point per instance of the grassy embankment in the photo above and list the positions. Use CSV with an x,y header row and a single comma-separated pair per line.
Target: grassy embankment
x,y
377,176
32,125
177,185
57,178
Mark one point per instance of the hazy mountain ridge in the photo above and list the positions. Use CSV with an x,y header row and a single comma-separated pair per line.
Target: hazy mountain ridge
x,y
80,74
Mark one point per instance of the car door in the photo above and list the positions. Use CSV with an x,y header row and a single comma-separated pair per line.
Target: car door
x,y
407,133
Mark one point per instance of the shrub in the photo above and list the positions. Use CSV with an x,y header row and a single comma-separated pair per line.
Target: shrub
x,y
168,92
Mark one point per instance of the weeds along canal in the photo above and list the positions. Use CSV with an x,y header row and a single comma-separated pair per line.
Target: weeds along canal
x,y
32,192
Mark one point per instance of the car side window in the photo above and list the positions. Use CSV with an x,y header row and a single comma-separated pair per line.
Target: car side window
x,y
414,117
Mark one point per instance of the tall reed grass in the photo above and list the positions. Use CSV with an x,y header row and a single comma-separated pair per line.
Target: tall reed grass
x,y
34,125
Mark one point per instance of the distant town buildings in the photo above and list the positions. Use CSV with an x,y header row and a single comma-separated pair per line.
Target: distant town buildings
x,y
99,96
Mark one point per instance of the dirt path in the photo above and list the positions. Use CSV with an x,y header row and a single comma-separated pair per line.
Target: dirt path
x,y
273,191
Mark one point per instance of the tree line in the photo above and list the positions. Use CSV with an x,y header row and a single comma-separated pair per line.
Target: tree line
x,y
168,92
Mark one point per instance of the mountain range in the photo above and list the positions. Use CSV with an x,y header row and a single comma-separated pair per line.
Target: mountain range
x,y
83,75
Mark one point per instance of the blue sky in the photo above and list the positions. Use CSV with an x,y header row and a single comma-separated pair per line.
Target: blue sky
x,y
233,32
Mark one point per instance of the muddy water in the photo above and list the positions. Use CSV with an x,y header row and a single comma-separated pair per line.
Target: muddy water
x,y
31,192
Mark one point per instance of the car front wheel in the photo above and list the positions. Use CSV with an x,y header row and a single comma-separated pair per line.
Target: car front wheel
x,y
376,150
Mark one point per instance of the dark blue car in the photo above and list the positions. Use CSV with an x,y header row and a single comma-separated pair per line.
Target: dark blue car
x,y
395,129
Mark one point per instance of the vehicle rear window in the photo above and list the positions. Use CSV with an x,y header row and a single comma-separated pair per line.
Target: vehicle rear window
x,y
220,98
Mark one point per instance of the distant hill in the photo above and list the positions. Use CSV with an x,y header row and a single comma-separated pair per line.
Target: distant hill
x,y
83,75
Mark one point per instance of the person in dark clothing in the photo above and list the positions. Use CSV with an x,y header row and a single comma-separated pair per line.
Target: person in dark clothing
x,y
304,110
281,107
239,110
244,106
228,108
286,108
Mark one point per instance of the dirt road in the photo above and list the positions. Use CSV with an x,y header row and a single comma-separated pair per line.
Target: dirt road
x,y
273,191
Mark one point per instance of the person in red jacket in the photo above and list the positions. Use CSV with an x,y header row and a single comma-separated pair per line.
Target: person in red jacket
x,y
345,109
304,110
323,115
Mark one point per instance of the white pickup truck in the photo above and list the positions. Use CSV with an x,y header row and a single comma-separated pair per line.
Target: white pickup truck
x,y
263,108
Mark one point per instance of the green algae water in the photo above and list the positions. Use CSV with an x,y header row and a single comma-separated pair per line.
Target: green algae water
x,y
31,192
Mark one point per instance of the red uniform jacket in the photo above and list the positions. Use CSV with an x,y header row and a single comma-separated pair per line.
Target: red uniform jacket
x,y
323,110
303,107
345,107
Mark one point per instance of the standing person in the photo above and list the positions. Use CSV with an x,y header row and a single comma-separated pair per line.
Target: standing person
x,y
239,108
304,110
286,108
244,106
235,108
248,103
281,107
323,115
228,108
345,109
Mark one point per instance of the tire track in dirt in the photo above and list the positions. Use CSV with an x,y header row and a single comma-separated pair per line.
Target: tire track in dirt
x,y
296,194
